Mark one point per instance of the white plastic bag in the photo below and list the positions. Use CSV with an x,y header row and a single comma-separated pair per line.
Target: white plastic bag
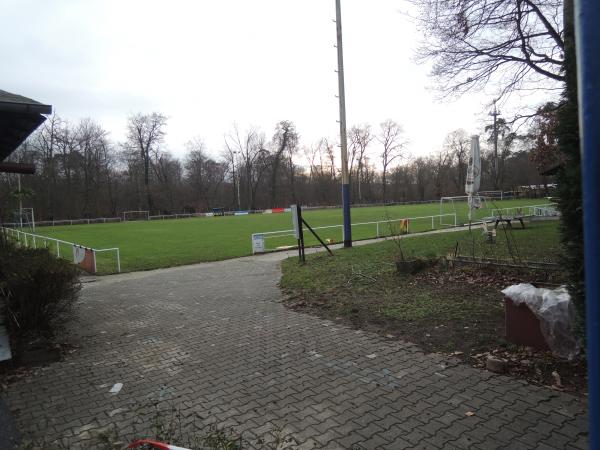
x,y
555,312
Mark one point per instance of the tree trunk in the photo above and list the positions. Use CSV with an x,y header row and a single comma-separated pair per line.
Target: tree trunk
x,y
384,185
147,184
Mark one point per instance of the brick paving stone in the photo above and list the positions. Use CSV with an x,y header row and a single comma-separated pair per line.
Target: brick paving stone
x,y
416,436
375,441
349,441
581,442
505,435
215,342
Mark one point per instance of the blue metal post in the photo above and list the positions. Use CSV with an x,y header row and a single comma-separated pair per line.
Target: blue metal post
x,y
587,35
346,214
343,137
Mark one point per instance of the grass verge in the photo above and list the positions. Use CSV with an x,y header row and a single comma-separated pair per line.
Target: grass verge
x,y
456,311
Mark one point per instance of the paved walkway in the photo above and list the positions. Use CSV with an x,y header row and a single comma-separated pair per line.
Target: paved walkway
x,y
214,341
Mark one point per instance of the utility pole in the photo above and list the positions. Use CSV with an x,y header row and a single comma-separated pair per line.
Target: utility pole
x,y
20,201
343,137
235,182
495,113
238,186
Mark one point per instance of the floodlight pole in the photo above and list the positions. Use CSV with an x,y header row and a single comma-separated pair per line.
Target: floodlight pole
x,y
587,37
343,137
239,202
495,113
20,201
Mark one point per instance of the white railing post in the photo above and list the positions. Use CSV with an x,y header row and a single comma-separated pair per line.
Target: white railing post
x,y
432,222
33,238
377,224
118,261
57,249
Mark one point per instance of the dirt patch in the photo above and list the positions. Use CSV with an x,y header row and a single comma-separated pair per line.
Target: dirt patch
x,y
459,312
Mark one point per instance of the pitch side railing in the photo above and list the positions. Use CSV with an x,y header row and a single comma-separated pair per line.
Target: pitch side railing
x,y
259,238
546,210
32,240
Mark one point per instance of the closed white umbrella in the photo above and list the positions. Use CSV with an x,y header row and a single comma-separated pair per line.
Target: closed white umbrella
x,y
473,174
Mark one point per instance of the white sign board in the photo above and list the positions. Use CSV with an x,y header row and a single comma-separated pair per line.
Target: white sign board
x,y
79,254
295,223
258,243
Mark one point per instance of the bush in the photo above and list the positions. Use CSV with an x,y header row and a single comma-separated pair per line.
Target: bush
x,y
39,290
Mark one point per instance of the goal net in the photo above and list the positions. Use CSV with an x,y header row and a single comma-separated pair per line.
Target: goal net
x,y
492,195
24,218
459,205
135,215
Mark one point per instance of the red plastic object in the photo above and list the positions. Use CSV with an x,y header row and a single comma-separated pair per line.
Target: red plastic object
x,y
522,327
155,444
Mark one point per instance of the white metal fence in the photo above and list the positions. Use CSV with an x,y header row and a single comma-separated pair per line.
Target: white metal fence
x,y
52,223
377,229
38,241
546,210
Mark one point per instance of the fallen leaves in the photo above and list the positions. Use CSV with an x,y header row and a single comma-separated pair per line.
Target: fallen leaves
x,y
538,367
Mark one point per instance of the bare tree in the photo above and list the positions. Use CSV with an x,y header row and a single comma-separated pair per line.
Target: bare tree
x,y
545,153
145,133
204,175
440,164
253,156
393,144
422,176
285,143
360,138
457,143
506,138
516,44
44,141
92,141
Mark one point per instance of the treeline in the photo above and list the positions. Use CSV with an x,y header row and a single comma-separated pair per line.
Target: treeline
x,y
82,173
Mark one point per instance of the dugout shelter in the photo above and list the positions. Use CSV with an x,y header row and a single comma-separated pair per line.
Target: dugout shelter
x,y
19,117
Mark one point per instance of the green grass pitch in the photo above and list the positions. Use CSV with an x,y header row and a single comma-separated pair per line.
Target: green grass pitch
x,y
164,243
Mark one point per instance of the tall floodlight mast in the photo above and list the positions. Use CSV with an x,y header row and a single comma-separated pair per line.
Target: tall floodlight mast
x,y
343,137
495,113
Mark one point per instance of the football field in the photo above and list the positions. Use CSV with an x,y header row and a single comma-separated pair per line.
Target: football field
x,y
163,243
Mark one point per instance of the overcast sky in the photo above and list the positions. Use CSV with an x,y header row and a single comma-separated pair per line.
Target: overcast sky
x,y
208,64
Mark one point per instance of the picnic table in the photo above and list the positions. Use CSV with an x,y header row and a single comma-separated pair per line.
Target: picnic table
x,y
507,220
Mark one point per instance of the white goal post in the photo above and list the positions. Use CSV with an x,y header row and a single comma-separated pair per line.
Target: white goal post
x,y
24,218
480,200
498,195
136,215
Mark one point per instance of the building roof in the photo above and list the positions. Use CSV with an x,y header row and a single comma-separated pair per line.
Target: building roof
x,y
19,117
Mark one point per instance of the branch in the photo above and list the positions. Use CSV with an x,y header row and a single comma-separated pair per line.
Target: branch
x,y
551,31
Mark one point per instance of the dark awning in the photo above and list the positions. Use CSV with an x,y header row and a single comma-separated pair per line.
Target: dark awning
x,y
19,117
